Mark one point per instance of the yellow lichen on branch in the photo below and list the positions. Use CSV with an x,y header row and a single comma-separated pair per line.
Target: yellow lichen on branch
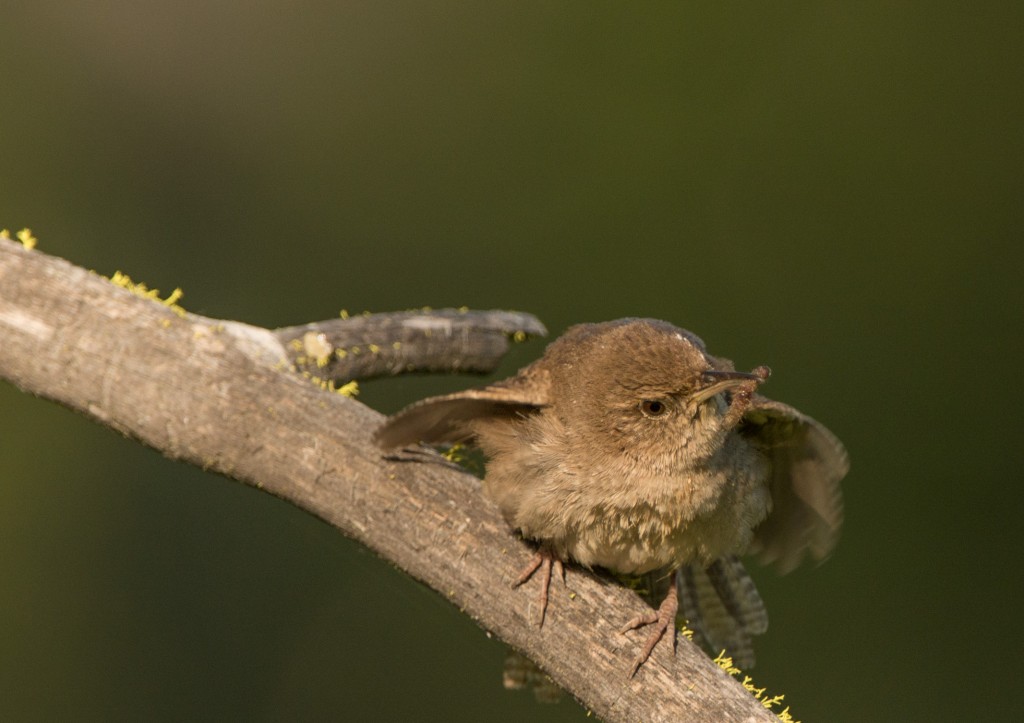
x,y
140,289
25,236
760,694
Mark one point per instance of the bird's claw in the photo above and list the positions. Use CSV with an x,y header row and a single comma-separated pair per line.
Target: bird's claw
x,y
663,620
547,563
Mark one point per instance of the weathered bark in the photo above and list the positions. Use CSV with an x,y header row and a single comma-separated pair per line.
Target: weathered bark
x,y
225,396
442,340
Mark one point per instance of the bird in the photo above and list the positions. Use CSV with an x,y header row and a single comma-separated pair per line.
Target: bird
x,y
629,447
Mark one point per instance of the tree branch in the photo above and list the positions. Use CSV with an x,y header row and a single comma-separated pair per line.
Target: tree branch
x,y
224,396
445,340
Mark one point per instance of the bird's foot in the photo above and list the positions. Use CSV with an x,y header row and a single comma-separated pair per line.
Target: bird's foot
x,y
663,620
546,562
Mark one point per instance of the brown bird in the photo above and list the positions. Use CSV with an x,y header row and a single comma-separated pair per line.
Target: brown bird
x,y
627,446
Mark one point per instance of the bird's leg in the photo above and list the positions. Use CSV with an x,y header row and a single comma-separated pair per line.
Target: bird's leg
x,y
544,561
663,620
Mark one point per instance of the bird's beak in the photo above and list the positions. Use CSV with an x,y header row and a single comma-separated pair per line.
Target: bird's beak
x,y
722,380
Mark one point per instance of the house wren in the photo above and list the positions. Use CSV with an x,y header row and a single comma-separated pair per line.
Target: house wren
x,y
628,446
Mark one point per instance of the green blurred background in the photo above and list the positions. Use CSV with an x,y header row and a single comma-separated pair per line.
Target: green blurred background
x,y
833,189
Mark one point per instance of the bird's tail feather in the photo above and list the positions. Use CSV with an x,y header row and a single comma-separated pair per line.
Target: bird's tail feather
x,y
723,608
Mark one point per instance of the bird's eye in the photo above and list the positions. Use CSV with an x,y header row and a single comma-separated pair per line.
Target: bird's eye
x,y
653,407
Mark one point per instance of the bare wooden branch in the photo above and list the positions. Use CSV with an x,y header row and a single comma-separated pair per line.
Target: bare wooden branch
x,y
442,340
223,395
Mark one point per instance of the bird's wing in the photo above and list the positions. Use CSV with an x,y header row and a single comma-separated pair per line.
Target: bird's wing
x,y
807,464
444,419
